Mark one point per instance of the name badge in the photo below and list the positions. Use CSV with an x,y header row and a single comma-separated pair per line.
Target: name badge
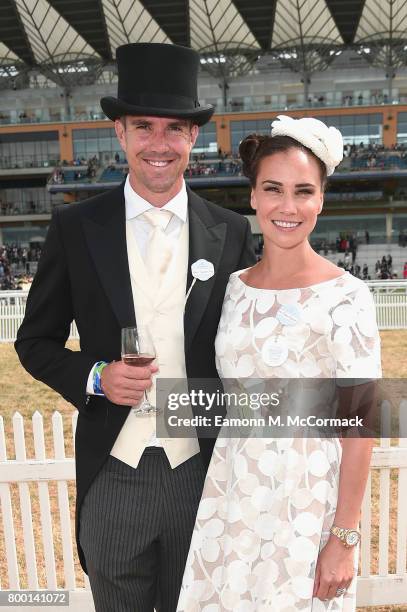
x,y
274,352
289,314
202,270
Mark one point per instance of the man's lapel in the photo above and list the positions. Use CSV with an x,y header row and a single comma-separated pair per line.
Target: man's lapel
x,y
206,241
105,231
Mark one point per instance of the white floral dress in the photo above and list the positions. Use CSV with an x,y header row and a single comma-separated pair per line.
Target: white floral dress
x,y
268,504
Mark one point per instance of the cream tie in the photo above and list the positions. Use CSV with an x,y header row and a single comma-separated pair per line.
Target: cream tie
x,y
159,251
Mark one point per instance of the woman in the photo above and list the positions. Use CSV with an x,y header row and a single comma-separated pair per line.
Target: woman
x,y
262,539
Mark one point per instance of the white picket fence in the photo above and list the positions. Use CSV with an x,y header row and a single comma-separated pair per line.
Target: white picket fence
x,y
381,588
12,308
40,470
390,298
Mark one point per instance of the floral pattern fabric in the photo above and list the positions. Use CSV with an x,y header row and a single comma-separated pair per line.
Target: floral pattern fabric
x,y
268,504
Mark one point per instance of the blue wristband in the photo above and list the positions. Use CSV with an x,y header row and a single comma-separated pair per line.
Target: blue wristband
x,y
97,377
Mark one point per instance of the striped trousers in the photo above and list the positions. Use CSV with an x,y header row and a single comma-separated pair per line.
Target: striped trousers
x,y
135,531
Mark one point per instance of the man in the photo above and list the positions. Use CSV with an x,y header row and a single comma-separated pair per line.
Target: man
x,y
137,495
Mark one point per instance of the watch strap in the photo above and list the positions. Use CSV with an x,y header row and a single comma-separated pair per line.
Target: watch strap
x,y
341,533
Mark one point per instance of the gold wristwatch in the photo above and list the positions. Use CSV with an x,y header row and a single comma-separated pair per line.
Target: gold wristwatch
x,y
348,537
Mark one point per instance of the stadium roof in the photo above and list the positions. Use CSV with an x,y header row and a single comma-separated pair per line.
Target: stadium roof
x,y
67,38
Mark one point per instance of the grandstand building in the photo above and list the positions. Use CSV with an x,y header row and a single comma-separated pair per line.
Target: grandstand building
x,y
342,61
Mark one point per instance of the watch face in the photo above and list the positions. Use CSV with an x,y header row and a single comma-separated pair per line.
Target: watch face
x,y
352,538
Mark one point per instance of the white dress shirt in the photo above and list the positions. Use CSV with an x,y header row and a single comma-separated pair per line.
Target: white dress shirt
x,y
142,229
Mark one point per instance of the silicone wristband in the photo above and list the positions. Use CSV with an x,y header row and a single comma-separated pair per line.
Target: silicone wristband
x,y
97,377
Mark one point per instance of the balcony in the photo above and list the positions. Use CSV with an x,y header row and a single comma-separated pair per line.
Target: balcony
x,y
236,104
17,212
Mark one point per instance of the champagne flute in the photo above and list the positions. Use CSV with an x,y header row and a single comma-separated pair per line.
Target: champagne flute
x,y
138,350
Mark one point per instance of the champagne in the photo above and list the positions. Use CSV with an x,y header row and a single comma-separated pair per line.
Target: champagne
x,y
138,360
137,349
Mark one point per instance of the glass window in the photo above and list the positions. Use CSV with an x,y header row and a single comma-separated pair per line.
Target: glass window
x,y
342,121
90,142
206,141
400,223
104,133
366,128
241,129
402,127
105,144
28,153
347,130
92,147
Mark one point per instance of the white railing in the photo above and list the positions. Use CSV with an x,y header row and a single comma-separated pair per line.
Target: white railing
x,y
52,531
12,308
384,587
388,285
41,470
390,298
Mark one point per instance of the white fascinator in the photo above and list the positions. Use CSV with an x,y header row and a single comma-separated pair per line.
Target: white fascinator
x,y
325,142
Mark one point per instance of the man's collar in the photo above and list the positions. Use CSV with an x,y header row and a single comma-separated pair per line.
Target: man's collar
x,y
136,205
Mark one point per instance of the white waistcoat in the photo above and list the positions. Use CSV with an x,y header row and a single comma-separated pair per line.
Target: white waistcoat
x,y
162,312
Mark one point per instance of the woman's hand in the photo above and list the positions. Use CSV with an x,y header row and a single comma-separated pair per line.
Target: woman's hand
x,y
335,569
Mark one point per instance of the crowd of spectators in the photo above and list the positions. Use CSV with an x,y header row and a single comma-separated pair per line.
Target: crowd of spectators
x,y
83,168
200,165
375,155
222,163
375,97
360,156
347,244
28,208
383,268
15,262
354,269
230,167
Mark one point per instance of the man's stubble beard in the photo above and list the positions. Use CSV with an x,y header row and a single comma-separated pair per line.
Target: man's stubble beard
x,y
162,186
166,182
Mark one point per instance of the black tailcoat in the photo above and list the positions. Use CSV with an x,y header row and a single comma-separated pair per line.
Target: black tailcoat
x,y
84,276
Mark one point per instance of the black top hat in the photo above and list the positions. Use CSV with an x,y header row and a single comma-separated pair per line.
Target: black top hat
x,y
158,80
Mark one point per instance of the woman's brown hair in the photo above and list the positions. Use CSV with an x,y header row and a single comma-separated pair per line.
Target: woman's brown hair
x,y
256,147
